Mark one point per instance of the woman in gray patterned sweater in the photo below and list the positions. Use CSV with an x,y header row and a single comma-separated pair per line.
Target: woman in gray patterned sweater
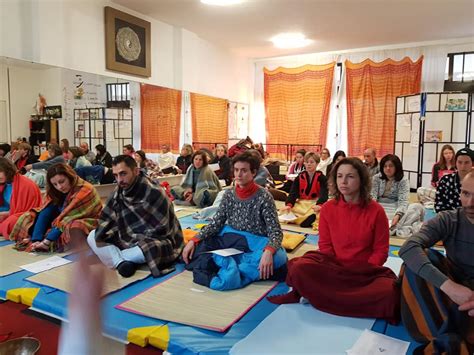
x,y
247,207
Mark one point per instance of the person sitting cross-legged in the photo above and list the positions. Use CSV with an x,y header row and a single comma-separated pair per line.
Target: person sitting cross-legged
x,y
437,289
246,220
346,275
18,194
200,185
70,212
138,224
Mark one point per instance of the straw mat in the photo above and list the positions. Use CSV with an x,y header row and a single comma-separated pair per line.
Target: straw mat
x,y
180,300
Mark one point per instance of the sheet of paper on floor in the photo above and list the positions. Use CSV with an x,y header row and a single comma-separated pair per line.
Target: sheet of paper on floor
x,y
375,343
45,264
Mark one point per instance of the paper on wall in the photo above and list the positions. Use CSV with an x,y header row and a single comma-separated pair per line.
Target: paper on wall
x,y
415,139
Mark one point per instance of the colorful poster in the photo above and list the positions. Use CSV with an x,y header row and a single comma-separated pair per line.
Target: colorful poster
x,y
434,136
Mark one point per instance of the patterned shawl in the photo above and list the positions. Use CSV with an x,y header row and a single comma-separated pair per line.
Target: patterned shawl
x,y
142,215
82,207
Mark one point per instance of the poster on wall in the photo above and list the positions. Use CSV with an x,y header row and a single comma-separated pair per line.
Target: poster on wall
x,y
434,136
82,90
456,104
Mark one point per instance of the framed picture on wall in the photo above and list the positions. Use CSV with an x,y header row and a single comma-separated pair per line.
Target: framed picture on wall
x,y
127,43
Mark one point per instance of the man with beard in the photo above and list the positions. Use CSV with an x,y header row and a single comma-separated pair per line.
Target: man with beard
x,y
137,225
434,286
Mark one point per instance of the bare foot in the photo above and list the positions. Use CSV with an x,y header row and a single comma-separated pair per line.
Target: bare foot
x,y
43,246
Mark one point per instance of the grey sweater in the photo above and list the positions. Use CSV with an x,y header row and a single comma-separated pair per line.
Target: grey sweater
x,y
398,195
457,234
256,215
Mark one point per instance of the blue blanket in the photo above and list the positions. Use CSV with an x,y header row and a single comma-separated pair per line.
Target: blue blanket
x,y
233,272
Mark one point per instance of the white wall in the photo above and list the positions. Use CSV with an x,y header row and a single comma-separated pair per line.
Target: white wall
x,y
70,34
4,100
25,85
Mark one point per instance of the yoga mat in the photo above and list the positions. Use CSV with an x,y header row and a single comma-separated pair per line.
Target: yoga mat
x,y
11,259
302,329
301,250
185,212
398,242
180,300
60,278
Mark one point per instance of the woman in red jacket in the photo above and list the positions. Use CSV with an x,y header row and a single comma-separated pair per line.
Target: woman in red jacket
x,y
353,246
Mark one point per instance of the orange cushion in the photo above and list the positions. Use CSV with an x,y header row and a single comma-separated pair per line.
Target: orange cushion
x,y
188,234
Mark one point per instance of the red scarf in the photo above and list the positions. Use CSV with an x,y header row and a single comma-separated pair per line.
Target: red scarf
x,y
245,192
20,163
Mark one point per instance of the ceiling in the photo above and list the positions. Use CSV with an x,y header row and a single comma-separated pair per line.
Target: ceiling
x,y
332,24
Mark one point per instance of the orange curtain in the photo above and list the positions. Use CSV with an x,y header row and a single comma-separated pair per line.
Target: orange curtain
x,y
209,119
161,113
297,104
372,89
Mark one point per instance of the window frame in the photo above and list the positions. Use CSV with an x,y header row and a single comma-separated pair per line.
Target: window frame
x,y
450,84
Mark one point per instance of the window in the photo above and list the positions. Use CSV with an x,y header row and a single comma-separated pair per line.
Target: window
x,y
459,74
118,95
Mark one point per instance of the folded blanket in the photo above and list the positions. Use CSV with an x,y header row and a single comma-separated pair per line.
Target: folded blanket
x,y
233,272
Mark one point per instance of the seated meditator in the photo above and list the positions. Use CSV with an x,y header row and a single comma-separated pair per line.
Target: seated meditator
x,y
76,158
445,165
308,192
225,169
37,171
339,155
166,160
102,157
200,185
449,186
325,161
185,158
23,156
294,170
391,189
128,149
18,194
71,211
147,166
246,220
88,154
370,161
138,224
435,285
345,276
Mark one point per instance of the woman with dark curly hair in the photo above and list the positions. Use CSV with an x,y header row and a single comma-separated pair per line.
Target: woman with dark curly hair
x,y
353,246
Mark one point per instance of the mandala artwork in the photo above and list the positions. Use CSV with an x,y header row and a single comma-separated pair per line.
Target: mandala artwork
x,y
128,44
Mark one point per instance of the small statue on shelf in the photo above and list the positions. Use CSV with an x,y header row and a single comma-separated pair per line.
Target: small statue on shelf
x,y
40,105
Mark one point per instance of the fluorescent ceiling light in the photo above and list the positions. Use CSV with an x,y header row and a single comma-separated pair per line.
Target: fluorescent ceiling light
x,y
291,40
221,2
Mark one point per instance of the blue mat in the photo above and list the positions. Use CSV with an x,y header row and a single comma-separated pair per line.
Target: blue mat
x,y
183,339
